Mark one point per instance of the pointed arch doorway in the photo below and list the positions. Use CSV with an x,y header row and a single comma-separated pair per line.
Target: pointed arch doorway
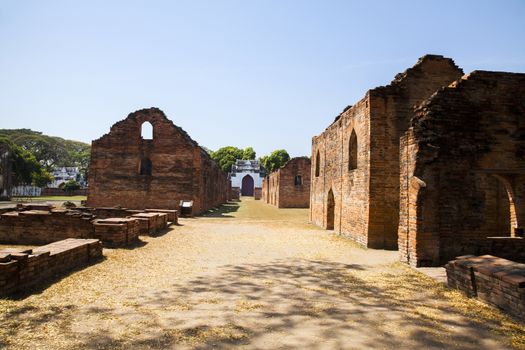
x,y
330,211
247,186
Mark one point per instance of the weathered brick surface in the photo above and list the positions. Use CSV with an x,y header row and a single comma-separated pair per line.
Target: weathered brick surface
x,y
462,168
151,223
117,232
180,169
257,193
355,161
171,215
282,189
43,227
22,269
496,281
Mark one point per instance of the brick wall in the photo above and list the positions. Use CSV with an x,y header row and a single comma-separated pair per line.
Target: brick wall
x,y
128,170
42,227
22,269
358,156
281,189
496,281
462,168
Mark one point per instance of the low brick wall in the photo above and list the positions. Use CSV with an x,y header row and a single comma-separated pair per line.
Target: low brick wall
x,y
151,223
257,193
61,192
43,227
172,214
496,281
117,232
21,269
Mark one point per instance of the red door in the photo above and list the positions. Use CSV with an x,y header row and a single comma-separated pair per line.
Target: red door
x,y
247,186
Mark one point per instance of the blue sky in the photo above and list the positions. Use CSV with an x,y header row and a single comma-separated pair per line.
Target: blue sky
x,y
268,74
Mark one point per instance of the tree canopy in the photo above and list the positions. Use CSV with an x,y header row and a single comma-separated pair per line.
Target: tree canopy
x,y
26,169
275,160
226,156
50,151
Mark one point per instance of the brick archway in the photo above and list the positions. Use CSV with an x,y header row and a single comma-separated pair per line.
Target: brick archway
x,y
247,186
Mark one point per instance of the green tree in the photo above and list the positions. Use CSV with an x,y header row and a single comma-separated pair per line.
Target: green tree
x,y
248,153
42,178
50,151
275,160
226,157
71,186
26,169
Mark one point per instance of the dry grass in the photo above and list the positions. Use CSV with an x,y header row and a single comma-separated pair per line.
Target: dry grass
x,y
253,277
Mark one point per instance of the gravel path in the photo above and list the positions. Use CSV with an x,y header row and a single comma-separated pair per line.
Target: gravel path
x,y
256,277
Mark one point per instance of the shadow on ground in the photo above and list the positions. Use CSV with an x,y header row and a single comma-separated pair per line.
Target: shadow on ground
x,y
222,211
296,303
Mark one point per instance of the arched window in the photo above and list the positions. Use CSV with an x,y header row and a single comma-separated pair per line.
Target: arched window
x,y
145,167
298,180
317,164
352,151
146,131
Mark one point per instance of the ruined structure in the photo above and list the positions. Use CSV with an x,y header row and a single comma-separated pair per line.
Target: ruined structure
x,y
5,172
433,161
289,186
463,169
22,268
138,169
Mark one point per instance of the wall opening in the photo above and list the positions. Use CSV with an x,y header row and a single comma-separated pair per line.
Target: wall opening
x,y
247,186
317,164
145,166
352,151
146,131
507,218
298,180
330,210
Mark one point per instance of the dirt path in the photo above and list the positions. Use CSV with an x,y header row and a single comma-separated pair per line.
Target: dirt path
x,y
255,277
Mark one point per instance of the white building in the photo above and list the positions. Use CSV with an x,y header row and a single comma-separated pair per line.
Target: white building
x,y
247,175
64,174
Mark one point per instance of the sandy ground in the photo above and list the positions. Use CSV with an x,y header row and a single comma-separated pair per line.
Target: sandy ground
x,y
253,277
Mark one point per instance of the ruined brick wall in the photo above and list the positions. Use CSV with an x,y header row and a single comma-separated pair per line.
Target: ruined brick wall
x,y
356,192
289,186
21,269
138,173
498,282
43,227
272,188
463,174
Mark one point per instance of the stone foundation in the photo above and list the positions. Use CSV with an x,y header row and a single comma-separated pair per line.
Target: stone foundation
x,y
23,269
496,281
172,214
43,227
151,223
116,232
35,227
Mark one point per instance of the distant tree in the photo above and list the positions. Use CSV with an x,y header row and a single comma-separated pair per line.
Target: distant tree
x,y
275,160
248,153
42,179
26,169
50,151
226,156
71,186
